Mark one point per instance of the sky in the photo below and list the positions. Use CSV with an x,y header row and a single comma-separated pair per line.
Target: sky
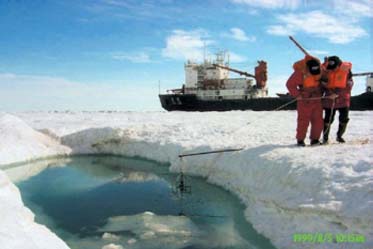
x,y
114,54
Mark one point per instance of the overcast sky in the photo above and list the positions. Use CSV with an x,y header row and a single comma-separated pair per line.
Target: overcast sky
x,y
111,54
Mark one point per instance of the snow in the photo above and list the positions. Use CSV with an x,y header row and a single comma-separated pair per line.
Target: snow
x,y
19,142
17,226
286,189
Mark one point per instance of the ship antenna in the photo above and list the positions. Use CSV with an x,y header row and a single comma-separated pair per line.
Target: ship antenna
x,y
228,55
159,87
204,51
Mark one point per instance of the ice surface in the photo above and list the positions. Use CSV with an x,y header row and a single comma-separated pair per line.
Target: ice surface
x,y
19,142
286,189
156,231
112,246
17,226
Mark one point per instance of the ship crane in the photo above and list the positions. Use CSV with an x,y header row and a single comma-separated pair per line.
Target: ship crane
x,y
235,70
260,73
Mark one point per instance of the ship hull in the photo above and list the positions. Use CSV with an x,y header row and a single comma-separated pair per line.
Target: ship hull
x,y
185,102
190,102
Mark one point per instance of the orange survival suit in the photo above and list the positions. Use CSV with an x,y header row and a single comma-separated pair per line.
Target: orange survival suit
x,y
339,83
304,84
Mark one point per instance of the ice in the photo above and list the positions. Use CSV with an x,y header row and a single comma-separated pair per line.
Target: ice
x,y
154,230
175,232
149,223
17,226
110,236
286,189
19,142
112,246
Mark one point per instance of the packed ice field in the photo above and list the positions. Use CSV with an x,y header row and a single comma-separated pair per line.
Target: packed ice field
x,y
286,189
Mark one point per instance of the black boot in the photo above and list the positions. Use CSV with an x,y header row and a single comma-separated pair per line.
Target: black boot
x,y
315,142
326,133
341,130
301,143
340,140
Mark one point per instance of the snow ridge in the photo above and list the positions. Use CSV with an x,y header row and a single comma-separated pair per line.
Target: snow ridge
x,y
20,142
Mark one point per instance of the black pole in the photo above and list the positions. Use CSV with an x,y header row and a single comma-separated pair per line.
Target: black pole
x,y
209,152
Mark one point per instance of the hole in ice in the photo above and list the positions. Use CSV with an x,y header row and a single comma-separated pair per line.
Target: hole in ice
x,y
109,202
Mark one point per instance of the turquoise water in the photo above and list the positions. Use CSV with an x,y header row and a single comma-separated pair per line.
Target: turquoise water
x,y
93,201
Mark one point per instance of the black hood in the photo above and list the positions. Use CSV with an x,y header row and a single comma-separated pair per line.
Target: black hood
x,y
313,66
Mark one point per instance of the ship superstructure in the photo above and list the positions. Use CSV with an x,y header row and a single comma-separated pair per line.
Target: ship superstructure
x,y
210,81
208,87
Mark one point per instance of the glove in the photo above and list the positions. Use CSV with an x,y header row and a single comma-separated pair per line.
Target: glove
x,y
300,95
333,96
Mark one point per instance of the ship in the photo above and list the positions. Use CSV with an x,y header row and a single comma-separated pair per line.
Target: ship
x,y
208,87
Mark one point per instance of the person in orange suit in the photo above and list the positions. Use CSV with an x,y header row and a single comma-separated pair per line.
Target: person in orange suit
x,y
338,85
304,84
